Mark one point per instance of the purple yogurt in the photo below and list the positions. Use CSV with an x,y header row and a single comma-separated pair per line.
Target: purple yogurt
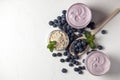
x,y
97,63
78,15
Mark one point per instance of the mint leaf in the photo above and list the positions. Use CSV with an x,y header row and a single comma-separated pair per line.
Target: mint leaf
x,y
92,45
87,34
51,45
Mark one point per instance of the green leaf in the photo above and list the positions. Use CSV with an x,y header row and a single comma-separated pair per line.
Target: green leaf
x,y
92,45
87,34
51,45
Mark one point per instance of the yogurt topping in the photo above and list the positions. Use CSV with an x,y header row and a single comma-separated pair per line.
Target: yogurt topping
x,y
78,15
97,63
61,38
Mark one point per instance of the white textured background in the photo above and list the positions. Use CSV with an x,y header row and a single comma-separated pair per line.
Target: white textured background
x,y
24,31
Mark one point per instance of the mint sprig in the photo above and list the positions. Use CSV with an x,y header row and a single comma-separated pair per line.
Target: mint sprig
x,y
51,45
90,39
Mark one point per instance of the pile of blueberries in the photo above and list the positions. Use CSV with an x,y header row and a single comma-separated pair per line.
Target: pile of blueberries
x,y
79,45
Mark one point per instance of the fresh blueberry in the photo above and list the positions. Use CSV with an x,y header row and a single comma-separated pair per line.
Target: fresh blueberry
x,y
83,60
91,25
71,65
59,17
54,25
83,67
64,12
65,53
62,60
88,52
76,69
63,22
54,54
100,47
51,23
103,31
64,70
59,54
74,62
63,16
76,57
67,60
77,63
55,21
80,67
80,72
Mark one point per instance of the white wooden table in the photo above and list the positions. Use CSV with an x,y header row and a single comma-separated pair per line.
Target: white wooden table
x,y
24,31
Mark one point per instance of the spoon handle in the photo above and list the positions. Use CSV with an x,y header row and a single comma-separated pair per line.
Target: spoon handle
x,y
105,21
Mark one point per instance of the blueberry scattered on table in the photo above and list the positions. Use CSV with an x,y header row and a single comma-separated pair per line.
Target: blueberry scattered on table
x,y
59,54
64,70
54,54
77,63
62,60
51,23
88,52
76,69
67,60
91,25
80,72
65,53
83,60
100,47
80,67
103,31
83,68
71,65
64,12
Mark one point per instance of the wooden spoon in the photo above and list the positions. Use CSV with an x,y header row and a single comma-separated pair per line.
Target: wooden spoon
x,y
93,32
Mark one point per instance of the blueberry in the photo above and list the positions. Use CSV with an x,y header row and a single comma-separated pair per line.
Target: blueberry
x,y
63,22
59,54
76,69
77,50
76,57
67,60
64,12
65,53
51,23
80,67
100,47
88,52
80,49
64,70
54,25
71,65
80,72
55,21
54,54
77,63
62,60
59,17
103,31
59,23
91,25
83,67
83,60
63,16
74,62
